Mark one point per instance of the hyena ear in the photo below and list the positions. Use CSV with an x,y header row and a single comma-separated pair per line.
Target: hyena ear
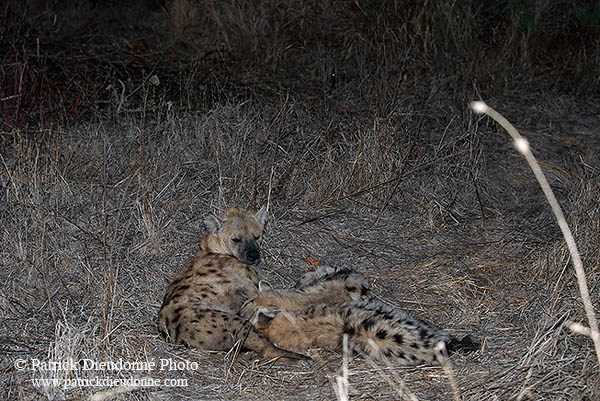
x,y
262,318
261,217
263,286
213,223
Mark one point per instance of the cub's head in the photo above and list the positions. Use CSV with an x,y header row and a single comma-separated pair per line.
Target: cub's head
x,y
237,233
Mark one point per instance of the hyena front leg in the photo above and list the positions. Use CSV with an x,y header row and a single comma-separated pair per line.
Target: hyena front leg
x,y
289,300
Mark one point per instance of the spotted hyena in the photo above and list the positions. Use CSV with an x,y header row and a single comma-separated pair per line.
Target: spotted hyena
x,y
328,303
209,303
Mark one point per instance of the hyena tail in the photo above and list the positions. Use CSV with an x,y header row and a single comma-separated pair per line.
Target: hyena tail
x,y
385,333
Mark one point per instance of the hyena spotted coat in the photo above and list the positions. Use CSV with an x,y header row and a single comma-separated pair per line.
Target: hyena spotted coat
x,y
329,302
209,302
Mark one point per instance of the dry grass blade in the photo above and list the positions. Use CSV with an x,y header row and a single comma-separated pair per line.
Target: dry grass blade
x,y
442,355
116,391
522,145
341,390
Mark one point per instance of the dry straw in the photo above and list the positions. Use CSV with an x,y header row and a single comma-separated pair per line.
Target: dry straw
x,y
341,390
522,146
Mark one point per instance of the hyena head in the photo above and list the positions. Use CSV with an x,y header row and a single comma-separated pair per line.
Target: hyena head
x,y
237,233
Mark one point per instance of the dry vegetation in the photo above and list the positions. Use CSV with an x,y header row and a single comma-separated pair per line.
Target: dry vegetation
x,y
352,118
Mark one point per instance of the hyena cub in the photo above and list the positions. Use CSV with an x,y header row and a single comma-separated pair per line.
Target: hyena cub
x,y
208,304
328,303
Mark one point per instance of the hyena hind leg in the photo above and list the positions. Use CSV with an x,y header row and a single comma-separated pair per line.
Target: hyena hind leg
x,y
300,330
325,286
256,342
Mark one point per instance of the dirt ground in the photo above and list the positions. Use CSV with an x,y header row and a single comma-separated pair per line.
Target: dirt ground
x,y
363,163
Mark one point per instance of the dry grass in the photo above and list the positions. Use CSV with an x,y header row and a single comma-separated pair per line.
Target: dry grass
x,y
381,167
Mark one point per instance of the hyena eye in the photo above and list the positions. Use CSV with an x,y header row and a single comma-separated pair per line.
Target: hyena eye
x,y
236,239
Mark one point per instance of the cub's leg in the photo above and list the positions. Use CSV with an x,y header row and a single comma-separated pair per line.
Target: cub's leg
x,y
374,329
317,326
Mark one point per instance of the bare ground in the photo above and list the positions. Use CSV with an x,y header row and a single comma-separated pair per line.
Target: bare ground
x,y
428,200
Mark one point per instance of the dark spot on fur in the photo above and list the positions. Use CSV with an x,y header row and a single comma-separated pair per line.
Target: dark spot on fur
x,y
195,321
424,334
225,318
389,353
163,334
381,334
398,339
209,332
364,291
349,330
203,295
209,264
341,274
351,289
212,270
377,312
182,288
177,329
226,281
367,324
174,283
415,345
214,326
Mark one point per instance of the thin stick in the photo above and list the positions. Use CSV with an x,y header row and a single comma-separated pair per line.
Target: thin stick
x,y
522,146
